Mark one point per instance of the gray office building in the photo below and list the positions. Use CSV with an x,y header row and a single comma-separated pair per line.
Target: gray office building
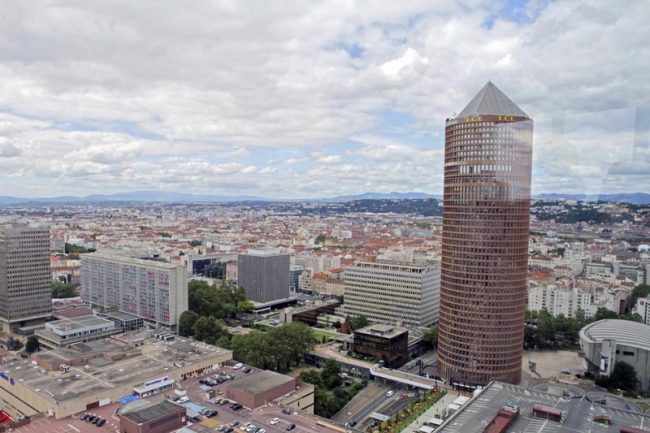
x,y
264,275
25,277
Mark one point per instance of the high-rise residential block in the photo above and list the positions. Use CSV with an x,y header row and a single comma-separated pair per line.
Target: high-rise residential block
x,y
25,278
151,289
486,216
393,292
264,275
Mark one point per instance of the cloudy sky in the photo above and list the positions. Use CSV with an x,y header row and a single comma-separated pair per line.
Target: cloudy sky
x,y
308,99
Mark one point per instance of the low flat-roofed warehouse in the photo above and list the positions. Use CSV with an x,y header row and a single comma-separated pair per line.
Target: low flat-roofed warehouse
x,y
66,381
162,416
260,387
577,414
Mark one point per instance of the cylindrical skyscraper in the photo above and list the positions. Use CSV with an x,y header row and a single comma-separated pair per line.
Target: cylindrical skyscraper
x,y
486,217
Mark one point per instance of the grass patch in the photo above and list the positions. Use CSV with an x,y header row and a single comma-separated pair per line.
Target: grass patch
x,y
320,333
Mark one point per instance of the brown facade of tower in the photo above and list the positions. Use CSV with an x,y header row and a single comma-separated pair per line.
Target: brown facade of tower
x,y
486,217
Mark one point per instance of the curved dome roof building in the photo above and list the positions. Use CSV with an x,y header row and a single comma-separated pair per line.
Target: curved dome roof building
x,y
609,341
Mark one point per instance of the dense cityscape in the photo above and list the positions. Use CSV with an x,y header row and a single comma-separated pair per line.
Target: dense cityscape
x,y
324,218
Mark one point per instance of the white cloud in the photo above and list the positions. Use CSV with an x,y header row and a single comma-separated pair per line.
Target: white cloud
x,y
122,95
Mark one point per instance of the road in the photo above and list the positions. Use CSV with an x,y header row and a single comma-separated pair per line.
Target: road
x,y
375,404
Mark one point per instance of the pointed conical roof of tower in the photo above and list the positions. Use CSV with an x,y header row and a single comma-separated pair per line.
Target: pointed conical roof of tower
x,y
491,100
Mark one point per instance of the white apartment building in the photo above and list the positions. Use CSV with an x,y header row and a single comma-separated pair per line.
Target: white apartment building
x,y
643,309
393,292
568,299
153,290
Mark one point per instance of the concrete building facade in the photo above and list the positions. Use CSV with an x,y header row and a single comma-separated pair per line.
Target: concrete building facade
x,y
264,275
608,341
393,292
486,217
25,278
153,290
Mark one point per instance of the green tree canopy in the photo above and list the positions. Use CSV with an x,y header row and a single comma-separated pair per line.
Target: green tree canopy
x,y
431,336
276,349
32,344
220,301
359,322
62,290
186,323
640,291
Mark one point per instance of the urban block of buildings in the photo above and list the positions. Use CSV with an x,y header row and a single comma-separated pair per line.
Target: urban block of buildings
x,y
25,277
151,289
264,275
387,343
393,292
68,380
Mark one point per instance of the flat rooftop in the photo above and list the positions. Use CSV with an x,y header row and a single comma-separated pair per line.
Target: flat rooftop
x,y
120,316
260,381
102,368
78,323
152,411
387,331
130,260
577,413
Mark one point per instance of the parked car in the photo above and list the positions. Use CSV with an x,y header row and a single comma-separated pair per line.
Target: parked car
x,y
183,399
96,420
224,401
390,393
83,417
211,413
291,427
101,422
261,431
236,406
221,427
274,421
352,423
286,411
229,430
90,418
235,423
238,366
247,370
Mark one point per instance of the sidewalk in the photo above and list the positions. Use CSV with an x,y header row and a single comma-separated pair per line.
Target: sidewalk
x,y
437,410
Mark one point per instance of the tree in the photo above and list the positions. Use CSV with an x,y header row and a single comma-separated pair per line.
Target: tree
x,y
186,323
359,322
62,290
320,238
640,291
32,344
331,374
195,243
604,313
623,377
277,349
431,336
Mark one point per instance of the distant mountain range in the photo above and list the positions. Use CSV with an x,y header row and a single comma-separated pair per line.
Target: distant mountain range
x,y
179,197
627,197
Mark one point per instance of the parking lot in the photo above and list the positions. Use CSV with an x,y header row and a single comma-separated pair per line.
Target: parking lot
x,y
260,417
74,424
197,399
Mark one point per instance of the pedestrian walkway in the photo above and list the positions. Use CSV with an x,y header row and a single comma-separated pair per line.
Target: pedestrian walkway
x,y
437,410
